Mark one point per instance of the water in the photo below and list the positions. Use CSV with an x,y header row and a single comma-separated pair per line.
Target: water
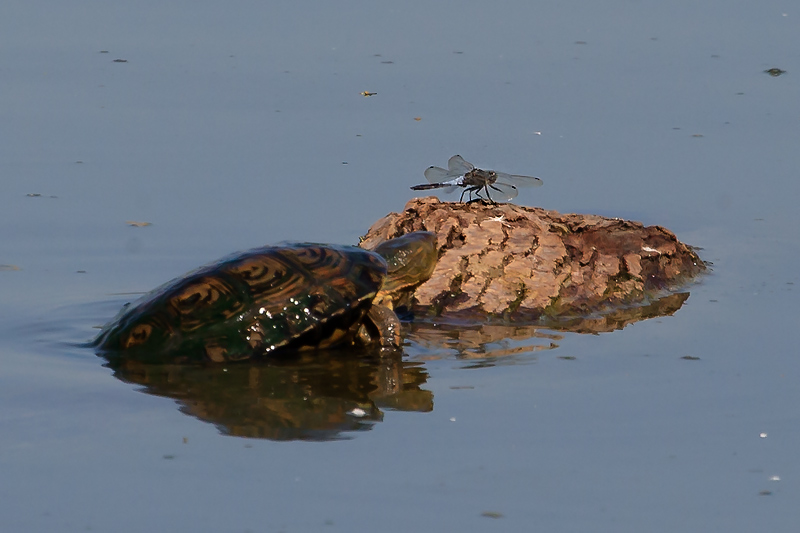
x,y
230,127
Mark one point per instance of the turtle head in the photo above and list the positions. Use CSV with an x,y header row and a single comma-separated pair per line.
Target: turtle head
x,y
410,261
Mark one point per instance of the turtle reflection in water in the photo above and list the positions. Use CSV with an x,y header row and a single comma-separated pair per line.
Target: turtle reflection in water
x,y
496,186
274,300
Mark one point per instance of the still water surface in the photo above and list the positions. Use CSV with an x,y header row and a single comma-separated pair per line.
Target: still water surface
x,y
232,126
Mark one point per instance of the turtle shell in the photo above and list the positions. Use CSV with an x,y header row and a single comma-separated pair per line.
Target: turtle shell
x,y
263,301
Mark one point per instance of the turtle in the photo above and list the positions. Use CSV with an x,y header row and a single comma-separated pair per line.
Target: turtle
x,y
274,300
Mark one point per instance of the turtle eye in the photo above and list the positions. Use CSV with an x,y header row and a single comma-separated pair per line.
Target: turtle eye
x,y
138,335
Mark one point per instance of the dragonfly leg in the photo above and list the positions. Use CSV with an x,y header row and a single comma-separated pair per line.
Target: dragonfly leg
x,y
489,196
475,194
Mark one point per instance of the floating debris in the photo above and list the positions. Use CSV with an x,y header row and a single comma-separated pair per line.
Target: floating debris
x,y
491,514
120,61
138,224
367,93
774,72
8,268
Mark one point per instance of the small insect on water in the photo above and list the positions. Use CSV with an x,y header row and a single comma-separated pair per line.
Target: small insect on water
x,y
487,185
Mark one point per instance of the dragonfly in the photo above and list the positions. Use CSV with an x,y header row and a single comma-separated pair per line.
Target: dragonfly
x,y
487,185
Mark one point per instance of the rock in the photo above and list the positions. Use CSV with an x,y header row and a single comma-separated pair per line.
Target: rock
x,y
527,263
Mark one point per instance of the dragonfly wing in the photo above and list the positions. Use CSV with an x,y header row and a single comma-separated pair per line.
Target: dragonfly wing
x,y
452,184
457,166
501,192
440,178
436,175
517,180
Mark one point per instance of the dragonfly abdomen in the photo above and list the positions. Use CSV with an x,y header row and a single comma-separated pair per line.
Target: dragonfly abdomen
x,y
426,186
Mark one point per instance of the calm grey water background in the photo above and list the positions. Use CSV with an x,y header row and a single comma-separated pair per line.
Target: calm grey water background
x,y
236,124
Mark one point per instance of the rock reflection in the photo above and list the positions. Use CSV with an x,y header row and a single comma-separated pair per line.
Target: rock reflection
x,y
315,396
485,342
463,338
615,319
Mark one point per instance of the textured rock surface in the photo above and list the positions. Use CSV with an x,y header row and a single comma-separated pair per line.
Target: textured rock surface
x,y
528,263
